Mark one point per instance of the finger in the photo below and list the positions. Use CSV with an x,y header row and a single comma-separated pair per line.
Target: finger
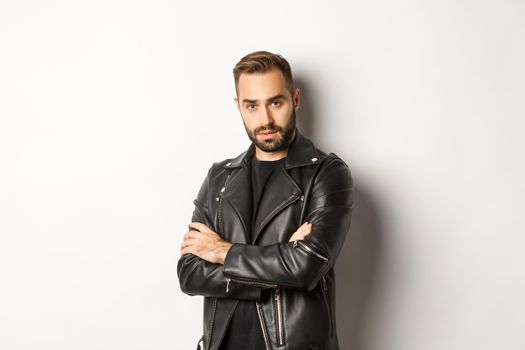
x,y
306,229
187,250
190,234
304,225
302,231
303,236
295,237
305,233
299,233
198,226
195,237
187,242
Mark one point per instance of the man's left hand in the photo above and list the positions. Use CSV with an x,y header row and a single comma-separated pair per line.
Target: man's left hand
x,y
204,243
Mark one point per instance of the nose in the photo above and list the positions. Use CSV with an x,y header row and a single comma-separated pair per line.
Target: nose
x,y
266,116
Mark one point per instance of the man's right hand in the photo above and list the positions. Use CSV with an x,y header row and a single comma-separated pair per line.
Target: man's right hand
x,y
304,230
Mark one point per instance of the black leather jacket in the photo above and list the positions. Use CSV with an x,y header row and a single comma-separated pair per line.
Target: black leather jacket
x,y
292,284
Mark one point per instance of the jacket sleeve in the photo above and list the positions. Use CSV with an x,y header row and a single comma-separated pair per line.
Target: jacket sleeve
x,y
200,277
302,263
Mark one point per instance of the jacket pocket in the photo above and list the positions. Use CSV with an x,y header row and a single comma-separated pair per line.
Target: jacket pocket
x,y
306,247
264,329
326,294
279,321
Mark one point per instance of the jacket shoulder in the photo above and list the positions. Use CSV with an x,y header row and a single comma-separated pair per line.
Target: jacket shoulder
x,y
334,168
331,159
222,167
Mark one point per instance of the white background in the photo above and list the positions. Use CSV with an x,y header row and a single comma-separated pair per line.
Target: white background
x,y
112,112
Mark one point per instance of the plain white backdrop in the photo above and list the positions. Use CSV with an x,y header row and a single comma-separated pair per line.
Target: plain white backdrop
x,y
111,112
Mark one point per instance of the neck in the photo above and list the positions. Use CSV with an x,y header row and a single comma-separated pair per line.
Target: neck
x,y
262,155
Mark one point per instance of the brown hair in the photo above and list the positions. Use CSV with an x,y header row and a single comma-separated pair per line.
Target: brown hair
x,y
262,62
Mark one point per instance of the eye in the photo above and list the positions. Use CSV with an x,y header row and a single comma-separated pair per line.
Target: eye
x,y
250,106
276,103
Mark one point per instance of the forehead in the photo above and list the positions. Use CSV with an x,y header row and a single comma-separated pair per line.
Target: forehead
x,y
260,86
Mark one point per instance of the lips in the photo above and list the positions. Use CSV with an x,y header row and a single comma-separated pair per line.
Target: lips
x,y
267,134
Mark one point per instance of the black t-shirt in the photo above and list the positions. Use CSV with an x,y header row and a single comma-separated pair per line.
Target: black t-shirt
x,y
244,331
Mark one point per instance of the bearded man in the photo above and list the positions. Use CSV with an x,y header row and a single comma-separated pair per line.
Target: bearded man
x,y
268,226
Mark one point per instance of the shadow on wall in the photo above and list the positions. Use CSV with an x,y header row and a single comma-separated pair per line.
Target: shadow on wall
x,y
355,270
356,266
305,120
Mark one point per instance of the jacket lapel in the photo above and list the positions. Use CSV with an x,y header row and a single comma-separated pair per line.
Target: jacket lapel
x,y
280,192
237,193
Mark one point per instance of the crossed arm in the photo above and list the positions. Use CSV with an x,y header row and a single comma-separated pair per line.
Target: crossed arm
x,y
208,245
208,261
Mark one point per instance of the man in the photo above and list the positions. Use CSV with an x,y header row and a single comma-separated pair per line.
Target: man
x,y
268,226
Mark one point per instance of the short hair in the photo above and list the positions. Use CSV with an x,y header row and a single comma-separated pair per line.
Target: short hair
x,y
262,62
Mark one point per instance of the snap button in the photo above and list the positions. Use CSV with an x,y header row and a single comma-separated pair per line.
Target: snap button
x,y
229,164
216,199
302,198
294,191
314,160
222,189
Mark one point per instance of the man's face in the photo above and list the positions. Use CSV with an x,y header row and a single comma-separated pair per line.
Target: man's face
x,y
267,109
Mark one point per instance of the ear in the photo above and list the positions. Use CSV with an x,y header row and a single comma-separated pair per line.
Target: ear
x,y
236,100
297,98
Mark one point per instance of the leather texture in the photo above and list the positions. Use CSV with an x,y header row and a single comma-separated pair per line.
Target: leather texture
x,y
292,284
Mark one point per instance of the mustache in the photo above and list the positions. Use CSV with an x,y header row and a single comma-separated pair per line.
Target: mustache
x,y
271,128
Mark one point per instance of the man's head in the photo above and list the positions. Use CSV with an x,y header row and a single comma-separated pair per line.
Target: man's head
x,y
266,99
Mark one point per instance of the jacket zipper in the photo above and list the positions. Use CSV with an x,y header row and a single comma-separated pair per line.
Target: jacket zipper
x,y
251,283
219,214
263,325
211,324
221,228
279,317
327,298
305,246
273,213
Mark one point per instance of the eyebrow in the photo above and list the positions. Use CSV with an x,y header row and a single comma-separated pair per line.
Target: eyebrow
x,y
276,97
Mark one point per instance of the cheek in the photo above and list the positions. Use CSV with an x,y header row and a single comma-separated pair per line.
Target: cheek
x,y
247,122
283,117
250,126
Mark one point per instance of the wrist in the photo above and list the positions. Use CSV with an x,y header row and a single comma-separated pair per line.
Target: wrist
x,y
223,251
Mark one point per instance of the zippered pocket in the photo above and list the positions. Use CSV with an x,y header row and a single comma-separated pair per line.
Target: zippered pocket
x,y
310,250
326,294
251,283
263,325
279,320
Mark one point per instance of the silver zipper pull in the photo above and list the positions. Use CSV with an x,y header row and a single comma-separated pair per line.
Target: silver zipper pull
x,y
228,284
325,286
295,243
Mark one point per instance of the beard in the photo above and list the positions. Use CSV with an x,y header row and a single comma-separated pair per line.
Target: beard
x,y
280,141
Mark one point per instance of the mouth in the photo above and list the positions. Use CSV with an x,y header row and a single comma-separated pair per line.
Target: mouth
x,y
268,134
